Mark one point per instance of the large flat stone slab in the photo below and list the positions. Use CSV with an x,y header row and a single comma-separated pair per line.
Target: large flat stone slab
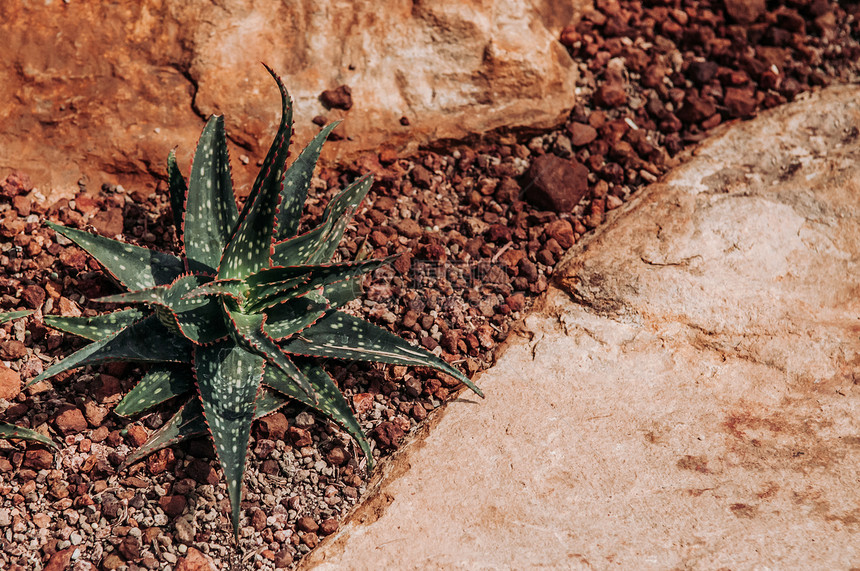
x,y
691,403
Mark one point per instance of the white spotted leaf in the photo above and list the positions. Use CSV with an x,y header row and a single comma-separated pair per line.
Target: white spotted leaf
x,y
339,294
294,189
293,315
249,248
160,383
10,315
210,208
132,266
339,335
10,431
318,245
234,289
249,331
188,422
272,286
330,400
228,377
178,191
133,343
95,327
268,401
198,319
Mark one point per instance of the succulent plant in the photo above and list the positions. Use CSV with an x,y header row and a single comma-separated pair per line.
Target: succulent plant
x,y
238,324
10,431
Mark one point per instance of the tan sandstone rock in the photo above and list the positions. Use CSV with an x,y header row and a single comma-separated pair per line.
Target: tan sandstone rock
x,y
692,403
104,90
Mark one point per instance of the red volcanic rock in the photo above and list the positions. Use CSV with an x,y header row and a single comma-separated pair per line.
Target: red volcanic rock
x,y
556,184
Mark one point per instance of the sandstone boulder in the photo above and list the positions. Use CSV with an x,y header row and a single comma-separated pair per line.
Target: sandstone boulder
x,y
690,400
104,90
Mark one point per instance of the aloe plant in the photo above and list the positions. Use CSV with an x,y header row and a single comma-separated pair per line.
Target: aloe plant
x,y
239,322
10,431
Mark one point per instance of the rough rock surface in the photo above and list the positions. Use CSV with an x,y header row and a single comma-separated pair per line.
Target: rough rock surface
x,y
745,11
416,72
556,184
692,402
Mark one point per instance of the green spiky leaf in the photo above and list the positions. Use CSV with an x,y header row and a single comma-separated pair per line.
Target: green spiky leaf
x,y
210,209
268,401
318,245
279,149
11,431
272,286
339,335
132,266
310,247
96,327
160,383
296,183
317,275
228,377
337,216
134,343
249,249
234,289
10,315
178,191
189,422
330,400
340,293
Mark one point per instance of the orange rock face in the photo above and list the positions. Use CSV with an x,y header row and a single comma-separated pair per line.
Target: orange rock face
x,y
102,91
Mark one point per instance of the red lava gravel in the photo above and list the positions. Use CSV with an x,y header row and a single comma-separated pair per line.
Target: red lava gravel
x,y
479,230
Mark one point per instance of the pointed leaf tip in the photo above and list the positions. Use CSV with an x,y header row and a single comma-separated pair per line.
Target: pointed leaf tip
x,y
339,335
249,248
161,383
10,431
10,315
134,267
294,189
132,343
